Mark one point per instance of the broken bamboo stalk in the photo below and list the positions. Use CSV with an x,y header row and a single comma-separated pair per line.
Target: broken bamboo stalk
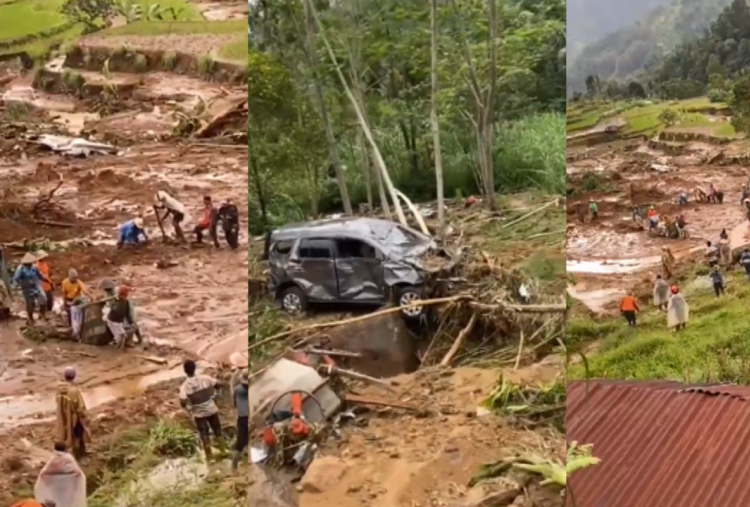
x,y
529,214
378,402
353,375
460,340
353,320
544,308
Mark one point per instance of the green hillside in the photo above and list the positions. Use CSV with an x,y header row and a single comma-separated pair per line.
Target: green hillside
x,y
628,50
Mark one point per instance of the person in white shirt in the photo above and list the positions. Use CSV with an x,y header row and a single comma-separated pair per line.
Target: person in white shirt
x,y
170,206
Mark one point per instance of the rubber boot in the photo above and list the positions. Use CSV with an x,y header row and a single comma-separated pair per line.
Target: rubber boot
x,y
236,456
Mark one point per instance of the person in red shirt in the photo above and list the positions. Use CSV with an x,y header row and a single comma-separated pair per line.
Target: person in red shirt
x,y
629,308
207,223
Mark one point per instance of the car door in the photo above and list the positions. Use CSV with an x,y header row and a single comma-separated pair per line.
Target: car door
x,y
312,267
359,268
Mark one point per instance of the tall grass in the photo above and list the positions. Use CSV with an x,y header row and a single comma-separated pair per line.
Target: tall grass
x,y
529,155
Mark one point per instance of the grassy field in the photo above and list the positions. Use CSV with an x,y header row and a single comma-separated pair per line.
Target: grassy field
x,y
180,28
642,117
236,51
33,16
29,17
715,346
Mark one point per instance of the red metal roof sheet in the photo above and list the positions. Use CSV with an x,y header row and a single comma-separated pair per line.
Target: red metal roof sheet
x,y
662,444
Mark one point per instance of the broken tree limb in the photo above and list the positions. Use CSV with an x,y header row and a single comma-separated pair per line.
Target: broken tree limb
x,y
414,211
530,214
353,320
378,402
545,308
50,223
339,353
353,375
460,340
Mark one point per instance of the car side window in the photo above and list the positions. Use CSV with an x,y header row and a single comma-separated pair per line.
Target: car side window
x,y
315,249
283,247
349,248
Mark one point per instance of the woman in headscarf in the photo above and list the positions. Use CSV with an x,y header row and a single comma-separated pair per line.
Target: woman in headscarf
x,y
661,293
678,312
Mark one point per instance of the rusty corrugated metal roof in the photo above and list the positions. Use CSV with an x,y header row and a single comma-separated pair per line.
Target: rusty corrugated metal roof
x,y
662,444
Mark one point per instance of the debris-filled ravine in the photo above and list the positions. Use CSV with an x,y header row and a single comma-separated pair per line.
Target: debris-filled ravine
x,y
371,406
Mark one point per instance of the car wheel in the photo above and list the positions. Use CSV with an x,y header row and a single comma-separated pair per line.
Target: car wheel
x,y
406,296
293,300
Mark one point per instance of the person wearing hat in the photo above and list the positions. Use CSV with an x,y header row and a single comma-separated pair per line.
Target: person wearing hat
x,y
110,291
240,396
43,266
131,232
678,311
29,279
120,318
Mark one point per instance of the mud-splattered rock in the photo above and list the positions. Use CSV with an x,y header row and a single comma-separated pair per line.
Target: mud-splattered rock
x,y
266,488
323,474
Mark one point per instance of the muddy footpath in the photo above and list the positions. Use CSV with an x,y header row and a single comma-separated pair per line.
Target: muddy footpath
x,y
74,165
614,254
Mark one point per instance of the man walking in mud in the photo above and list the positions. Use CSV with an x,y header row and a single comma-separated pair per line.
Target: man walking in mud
x,y
229,217
72,416
240,397
170,206
629,309
667,261
29,279
197,395
120,318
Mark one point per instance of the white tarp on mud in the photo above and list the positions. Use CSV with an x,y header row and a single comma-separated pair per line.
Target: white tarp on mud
x,y
74,146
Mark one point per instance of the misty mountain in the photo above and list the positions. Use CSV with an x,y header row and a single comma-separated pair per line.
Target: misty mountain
x,y
626,51
590,20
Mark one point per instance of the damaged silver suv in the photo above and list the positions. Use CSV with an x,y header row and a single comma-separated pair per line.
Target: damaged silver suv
x,y
348,261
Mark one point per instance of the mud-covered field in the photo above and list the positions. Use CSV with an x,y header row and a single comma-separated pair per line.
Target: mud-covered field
x,y
613,254
190,298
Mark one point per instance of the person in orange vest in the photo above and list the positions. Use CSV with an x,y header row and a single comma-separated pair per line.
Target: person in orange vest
x,y
208,222
43,267
34,503
629,308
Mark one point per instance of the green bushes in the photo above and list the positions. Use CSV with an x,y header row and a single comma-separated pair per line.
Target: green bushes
x,y
529,155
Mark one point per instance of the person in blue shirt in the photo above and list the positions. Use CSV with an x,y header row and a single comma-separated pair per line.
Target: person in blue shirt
x,y
29,279
745,261
718,281
131,232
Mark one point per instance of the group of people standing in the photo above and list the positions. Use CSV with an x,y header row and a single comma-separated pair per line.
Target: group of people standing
x,y
667,298
165,205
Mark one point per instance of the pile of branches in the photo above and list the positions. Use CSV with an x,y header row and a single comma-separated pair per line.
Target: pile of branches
x,y
489,313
